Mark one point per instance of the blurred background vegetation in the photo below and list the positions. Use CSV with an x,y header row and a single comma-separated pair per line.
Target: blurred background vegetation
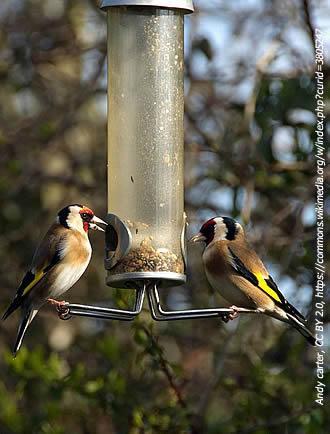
x,y
249,154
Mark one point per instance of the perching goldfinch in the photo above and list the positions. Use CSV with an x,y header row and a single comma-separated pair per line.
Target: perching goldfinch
x,y
59,261
234,269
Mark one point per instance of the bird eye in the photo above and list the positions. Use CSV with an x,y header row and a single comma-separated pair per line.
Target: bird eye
x,y
86,216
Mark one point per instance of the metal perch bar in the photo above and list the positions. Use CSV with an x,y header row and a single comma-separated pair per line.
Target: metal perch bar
x,y
104,312
159,314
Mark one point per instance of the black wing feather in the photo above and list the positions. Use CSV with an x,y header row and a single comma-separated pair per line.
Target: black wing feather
x,y
242,270
27,279
18,299
248,275
286,306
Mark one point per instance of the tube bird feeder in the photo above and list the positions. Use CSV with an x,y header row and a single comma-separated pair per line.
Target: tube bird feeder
x,y
145,237
145,142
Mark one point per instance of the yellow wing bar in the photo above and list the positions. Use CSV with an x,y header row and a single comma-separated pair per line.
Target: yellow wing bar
x,y
38,276
265,287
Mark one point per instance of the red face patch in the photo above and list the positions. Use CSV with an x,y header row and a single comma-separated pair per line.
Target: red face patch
x,y
208,230
85,210
86,214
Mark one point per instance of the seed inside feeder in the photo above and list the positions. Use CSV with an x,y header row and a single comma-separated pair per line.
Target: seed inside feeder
x,y
146,258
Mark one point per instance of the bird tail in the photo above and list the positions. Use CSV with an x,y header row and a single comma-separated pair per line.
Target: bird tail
x,y
26,320
301,327
15,304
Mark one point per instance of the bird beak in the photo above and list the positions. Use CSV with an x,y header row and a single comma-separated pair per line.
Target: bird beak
x,y
198,238
94,226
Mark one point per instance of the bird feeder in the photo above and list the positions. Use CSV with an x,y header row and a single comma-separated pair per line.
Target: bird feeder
x,y
145,142
145,237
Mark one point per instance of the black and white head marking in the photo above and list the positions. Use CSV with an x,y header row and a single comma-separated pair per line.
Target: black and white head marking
x,y
232,227
69,217
220,228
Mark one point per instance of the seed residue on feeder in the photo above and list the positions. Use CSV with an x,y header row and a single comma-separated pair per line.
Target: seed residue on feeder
x,y
147,258
132,225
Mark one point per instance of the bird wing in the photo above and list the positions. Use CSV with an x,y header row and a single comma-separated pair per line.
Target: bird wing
x,y
48,254
256,273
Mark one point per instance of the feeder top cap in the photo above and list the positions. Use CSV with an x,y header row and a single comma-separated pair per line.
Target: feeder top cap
x,y
185,5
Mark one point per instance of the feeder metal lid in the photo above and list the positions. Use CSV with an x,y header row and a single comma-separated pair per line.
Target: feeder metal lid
x,y
185,5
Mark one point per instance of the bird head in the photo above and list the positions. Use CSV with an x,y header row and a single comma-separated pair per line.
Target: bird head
x,y
79,218
218,229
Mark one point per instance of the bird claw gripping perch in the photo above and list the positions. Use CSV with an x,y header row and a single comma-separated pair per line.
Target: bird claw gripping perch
x,y
62,308
232,315
63,311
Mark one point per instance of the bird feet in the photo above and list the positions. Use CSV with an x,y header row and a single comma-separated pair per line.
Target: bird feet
x,y
232,315
61,307
56,302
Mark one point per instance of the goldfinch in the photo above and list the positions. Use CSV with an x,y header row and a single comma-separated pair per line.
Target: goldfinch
x,y
59,261
234,269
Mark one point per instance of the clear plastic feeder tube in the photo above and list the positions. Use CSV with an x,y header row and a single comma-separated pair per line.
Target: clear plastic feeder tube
x,y
145,141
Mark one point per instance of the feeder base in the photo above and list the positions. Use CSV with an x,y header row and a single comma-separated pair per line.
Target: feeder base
x,y
163,278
